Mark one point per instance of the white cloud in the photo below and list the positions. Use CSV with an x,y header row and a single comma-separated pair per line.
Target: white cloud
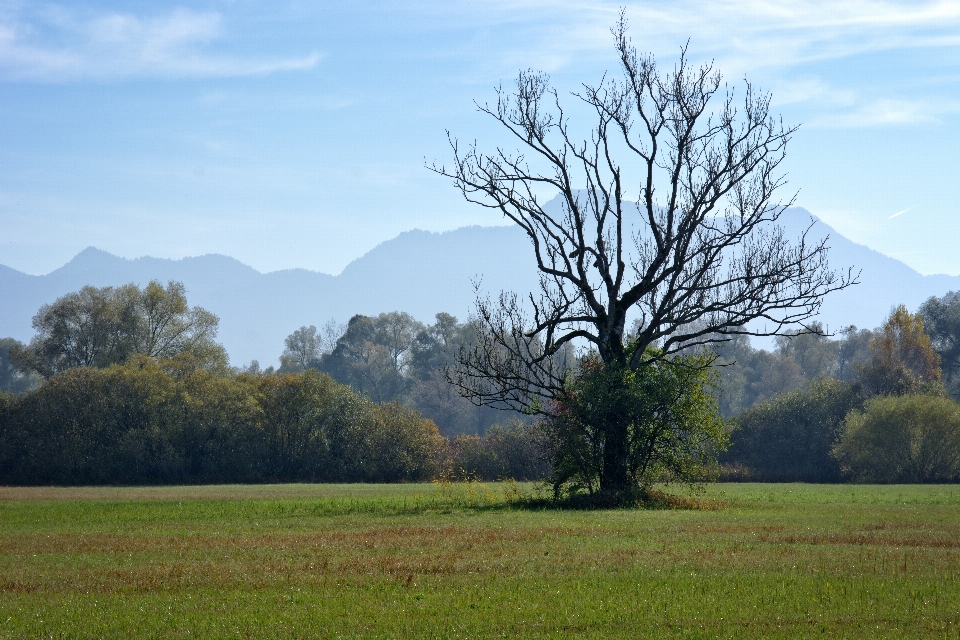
x,y
782,45
741,34
885,112
115,45
767,33
789,92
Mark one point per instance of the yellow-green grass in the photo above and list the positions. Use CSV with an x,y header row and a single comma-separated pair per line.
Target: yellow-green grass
x,y
453,561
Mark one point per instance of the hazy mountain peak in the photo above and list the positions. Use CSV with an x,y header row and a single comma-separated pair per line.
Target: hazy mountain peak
x,y
420,272
91,256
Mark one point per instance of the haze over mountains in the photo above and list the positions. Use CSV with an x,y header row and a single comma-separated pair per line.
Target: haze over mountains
x,y
419,272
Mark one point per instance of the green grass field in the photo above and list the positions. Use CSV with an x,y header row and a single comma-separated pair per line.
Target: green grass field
x,y
455,561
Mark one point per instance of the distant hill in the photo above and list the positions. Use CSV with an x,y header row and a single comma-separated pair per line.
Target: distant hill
x,y
884,281
419,272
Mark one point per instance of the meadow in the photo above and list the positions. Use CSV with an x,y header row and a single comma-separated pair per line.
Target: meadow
x,y
470,560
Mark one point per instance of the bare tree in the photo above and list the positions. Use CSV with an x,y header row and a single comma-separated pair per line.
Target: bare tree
x,y
329,335
697,257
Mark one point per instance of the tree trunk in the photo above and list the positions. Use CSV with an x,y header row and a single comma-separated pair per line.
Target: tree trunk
x,y
615,477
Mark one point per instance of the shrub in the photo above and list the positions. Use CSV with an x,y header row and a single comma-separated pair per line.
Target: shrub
x,y
910,438
657,423
171,422
403,445
514,450
789,437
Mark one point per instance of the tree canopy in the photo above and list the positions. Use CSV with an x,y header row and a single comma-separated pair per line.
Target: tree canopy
x,y
941,320
902,359
97,327
696,258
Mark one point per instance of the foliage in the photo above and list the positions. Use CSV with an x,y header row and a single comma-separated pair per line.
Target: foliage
x,y
392,357
515,450
372,355
902,359
696,257
747,375
853,351
666,412
97,327
432,355
789,438
439,401
12,378
435,346
941,319
302,350
811,349
909,438
170,421
401,446
305,347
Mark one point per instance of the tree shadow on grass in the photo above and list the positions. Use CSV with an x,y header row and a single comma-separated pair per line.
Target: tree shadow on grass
x,y
651,499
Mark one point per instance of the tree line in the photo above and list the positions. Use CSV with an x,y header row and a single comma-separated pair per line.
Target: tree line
x,y
393,357
881,406
130,385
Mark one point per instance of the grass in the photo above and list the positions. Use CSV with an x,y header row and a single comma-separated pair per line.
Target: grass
x,y
455,560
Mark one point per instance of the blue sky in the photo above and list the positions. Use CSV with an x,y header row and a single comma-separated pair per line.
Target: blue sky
x,y
294,134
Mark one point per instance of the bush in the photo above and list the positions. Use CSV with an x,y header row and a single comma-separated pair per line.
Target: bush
x,y
654,424
515,451
910,438
789,437
171,422
403,445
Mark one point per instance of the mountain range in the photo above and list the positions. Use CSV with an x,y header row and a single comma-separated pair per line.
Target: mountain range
x,y
419,272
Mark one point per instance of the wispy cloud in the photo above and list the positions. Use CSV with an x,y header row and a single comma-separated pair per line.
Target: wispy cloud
x,y
783,43
788,91
764,33
758,33
60,46
900,213
885,112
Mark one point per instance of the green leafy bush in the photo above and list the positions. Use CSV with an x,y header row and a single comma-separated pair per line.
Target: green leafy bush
x,y
170,421
514,450
657,423
910,438
789,437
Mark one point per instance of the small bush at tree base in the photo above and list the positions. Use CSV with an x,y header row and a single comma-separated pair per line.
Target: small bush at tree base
x,y
910,438
659,422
